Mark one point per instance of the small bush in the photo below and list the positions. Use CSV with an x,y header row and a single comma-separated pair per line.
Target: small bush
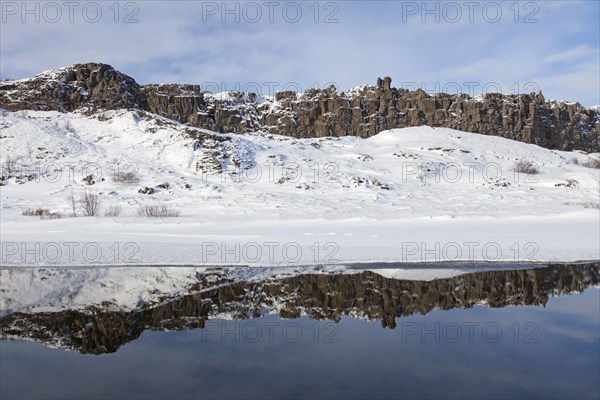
x,y
52,215
90,203
113,211
591,163
35,212
9,166
587,204
72,204
69,127
126,177
157,211
43,213
526,167
29,150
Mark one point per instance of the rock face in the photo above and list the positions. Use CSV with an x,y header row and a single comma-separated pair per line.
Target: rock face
x,y
68,89
320,296
362,112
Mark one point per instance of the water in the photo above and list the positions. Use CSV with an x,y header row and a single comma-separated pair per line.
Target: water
x,y
538,340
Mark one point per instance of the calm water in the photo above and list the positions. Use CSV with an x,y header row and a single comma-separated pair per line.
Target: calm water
x,y
549,349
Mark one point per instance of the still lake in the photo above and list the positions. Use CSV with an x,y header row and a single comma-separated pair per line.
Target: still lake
x,y
531,333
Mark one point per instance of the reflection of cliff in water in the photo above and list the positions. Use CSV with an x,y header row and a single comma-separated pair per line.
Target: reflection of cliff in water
x,y
320,296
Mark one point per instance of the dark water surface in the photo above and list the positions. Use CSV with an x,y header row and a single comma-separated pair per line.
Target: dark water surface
x,y
537,339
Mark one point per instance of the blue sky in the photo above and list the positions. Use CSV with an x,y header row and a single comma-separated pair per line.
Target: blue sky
x,y
457,46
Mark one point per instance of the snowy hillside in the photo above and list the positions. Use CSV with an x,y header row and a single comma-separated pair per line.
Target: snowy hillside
x,y
414,194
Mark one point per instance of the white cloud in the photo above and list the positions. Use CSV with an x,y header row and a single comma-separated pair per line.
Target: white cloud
x,y
581,84
571,54
172,43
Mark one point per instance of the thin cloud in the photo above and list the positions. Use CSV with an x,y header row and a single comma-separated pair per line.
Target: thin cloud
x,y
575,53
173,43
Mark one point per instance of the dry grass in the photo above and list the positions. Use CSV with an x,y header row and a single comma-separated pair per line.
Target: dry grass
x,y
69,127
591,163
526,167
43,213
113,211
586,204
591,205
126,177
9,166
157,211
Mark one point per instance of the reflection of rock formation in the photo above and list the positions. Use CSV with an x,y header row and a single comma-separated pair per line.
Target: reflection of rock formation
x,y
362,112
323,296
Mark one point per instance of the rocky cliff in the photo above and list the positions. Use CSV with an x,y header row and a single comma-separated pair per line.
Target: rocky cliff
x,y
320,296
362,112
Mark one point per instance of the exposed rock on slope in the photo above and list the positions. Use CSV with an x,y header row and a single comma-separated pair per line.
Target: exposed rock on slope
x,y
363,111
68,89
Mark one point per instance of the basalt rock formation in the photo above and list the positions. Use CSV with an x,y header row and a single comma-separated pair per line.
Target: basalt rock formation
x,y
68,89
320,296
362,112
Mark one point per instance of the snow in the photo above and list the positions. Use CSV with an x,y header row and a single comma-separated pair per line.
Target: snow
x,y
271,206
334,207
594,108
53,74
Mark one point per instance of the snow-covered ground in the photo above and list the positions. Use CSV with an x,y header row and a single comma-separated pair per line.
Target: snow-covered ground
x,y
414,194
301,205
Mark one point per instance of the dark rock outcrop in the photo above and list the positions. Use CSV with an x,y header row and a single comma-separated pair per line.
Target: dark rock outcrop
x,y
320,296
362,112
95,86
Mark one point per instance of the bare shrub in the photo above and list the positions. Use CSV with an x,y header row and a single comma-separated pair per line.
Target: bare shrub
x,y
90,203
69,127
526,167
157,211
592,163
72,204
113,211
29,149
52,215
586,204
126,177
43,213
9,166
35,212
